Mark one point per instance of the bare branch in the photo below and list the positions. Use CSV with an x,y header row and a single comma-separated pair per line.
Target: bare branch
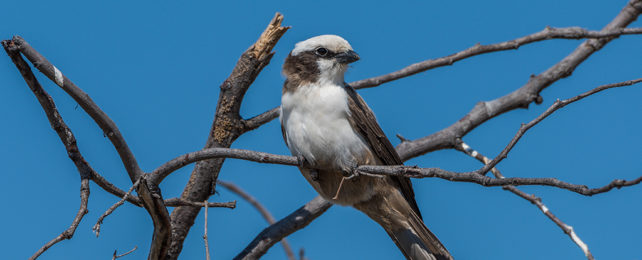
x,y
284,227
65,135
546,34
557,105
116,256
207,245
415,172
463,147
566,228
227,126
520,98
176,202
261,119
106,124
164,170
476,177
69,232
153,203
111,209
262,209
111,188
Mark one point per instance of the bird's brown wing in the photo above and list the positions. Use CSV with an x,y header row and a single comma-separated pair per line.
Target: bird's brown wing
x,y
364,121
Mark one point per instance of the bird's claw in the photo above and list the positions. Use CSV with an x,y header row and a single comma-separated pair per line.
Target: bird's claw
x,y
351,172
314,175
303,163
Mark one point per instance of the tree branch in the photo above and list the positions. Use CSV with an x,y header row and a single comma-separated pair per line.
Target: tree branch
x,y
116,255
546,34
520,98
286,226
177,202
463,147
111,209
476,177
227,126
66,137
262,209
69,232
408,171
557,105
210,153
153,203
413,172
106,124
207,244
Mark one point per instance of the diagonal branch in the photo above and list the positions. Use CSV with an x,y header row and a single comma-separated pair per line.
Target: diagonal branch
x,y
227,126
106,124
153,203
262,209
65,135
557,105
111,209
463,147
522,97
284,227
478,49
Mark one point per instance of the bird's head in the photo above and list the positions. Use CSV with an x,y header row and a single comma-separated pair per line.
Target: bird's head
x,y
319,59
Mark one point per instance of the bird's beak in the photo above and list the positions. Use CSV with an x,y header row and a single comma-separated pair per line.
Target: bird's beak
x,y
347,57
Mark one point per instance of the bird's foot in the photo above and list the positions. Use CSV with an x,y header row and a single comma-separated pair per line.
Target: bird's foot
x,y
314,174
351,172
303,163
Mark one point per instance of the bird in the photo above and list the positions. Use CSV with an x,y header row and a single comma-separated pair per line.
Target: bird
x,y
327,124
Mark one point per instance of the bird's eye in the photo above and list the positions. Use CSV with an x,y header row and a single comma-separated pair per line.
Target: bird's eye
x,y
321,51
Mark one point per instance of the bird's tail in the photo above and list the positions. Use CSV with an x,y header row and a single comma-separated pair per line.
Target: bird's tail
x,y
405,228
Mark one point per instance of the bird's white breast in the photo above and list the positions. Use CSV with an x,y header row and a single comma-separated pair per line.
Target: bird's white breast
x,y
315,121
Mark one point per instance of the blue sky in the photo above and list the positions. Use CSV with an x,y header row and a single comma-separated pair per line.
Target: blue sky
x,y
155,68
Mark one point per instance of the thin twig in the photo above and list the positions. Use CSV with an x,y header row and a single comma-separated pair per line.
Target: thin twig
x,y
262,209
116,255
557,105
566,228
546,34
463,147
207,245
69,232
111,209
